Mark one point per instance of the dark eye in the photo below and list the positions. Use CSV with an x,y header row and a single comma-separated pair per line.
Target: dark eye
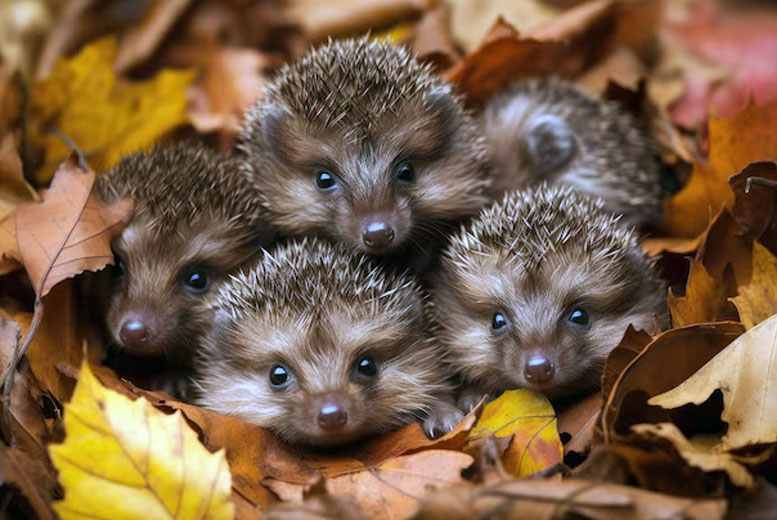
x,y
405,171
279,376
196,280
367,367
579,317
117,269
498,322
325,180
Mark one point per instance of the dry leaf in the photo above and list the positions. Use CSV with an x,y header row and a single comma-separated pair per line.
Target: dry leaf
x,y
530,419
667,361
698,453
743,373
69,232
13,187
755,209
540,499
757,300
105,117
123,459
734,143
578,420
701,301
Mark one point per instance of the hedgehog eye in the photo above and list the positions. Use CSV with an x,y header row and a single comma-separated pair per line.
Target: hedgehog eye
x,y
579,317
279,376
498,322
367,367
405,171
196,280
325,181
117,269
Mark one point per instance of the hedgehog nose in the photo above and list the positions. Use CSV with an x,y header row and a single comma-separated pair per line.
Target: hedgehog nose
x,y
331,413
378,234
539,370
134,332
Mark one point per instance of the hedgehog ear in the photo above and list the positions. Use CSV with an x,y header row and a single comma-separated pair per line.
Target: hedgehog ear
x,y
550,144
272,129
445,110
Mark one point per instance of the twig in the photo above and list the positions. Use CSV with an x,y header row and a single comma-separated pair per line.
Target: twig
x,y
759,181
72,144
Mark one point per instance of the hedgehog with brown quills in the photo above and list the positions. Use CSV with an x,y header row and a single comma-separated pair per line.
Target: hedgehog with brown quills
x,y
549,130
537,292
195,220
359,142
324,346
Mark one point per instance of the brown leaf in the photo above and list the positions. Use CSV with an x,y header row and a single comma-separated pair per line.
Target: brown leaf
x,y
13,187
633,343
755,210
391,489
318,505
530,499
432,39
743,373
667,361
757,300
139,43
69,232
578,420
29,475
734,143
701,301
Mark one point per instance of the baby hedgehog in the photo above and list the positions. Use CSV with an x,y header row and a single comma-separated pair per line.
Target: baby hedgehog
x,y
538,290
360,142
323,347
550,130
195,220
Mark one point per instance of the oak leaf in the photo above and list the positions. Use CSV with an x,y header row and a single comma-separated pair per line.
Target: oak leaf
x,y
757,300
734,142
530,419
124,459
107,118
743,372
69,232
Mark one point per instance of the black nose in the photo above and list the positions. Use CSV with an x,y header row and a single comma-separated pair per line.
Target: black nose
x,y
378,234
332,414
539,370
134,333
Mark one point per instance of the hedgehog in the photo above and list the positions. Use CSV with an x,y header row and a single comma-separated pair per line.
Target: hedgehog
x,y
195,220
324,346
549,130
538,290
359,142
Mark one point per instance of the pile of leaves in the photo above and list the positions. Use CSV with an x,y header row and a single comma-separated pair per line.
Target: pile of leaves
x,y
685,425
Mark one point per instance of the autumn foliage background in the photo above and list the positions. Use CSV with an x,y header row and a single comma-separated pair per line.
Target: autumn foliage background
x,y
685,425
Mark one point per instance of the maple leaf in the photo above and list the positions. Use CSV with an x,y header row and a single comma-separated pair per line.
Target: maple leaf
x,y
701,300
757,300
106,118
124,459
530,419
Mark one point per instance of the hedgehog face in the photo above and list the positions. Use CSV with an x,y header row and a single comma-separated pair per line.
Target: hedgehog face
x,y
549,329
321,378
160,280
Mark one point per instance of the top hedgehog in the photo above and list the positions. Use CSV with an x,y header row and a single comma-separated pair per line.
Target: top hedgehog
x,y
360,142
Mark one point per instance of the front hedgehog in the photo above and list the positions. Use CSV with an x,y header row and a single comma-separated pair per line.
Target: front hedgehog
x,y
549,130
360,142
195,220
323,347
538,291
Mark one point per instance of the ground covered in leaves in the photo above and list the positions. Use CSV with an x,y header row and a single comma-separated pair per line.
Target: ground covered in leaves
x,y
685,425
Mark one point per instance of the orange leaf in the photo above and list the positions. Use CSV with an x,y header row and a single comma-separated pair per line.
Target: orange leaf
x,y
734,143
757,300
69,232
701,301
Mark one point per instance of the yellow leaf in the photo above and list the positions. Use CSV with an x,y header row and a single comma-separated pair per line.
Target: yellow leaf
x,y
530,418
701,301
106,117
757,300
124,459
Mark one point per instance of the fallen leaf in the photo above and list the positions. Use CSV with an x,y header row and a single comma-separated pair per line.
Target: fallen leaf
x,y
742,371
539,499
530,419
13,187
754,209
318,505
631,345
392,489
699,454
663,364
106,118
757,300
432,40
578,420
735,142
28,474
69,232
144,463
701,301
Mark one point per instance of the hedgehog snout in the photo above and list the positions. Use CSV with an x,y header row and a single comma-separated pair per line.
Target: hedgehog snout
x,y
331,412
138,332
378,232
539,369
